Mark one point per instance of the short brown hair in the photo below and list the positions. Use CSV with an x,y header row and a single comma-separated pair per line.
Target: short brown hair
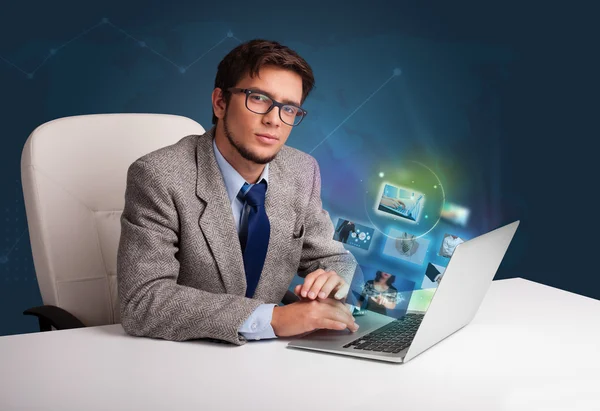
x,y
249,57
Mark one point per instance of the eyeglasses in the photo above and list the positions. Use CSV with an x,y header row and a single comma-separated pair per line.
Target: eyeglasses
x,y
259,103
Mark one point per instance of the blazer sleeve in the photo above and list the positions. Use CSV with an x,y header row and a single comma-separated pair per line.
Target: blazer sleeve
x,y
152,303
319,249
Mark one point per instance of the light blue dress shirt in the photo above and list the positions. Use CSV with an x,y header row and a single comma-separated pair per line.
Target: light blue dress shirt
x,y
258,325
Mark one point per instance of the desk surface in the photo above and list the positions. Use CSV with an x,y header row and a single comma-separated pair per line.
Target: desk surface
x,y
529,347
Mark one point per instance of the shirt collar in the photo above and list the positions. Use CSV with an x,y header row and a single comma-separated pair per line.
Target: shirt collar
x,y
233,180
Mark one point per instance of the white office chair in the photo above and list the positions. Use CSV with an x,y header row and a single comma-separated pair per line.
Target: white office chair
x,y
74,173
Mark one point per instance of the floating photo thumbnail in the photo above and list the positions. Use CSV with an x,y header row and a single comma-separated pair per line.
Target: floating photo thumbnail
x,y
406,246
380,291
433,275
420,300
351,233
455,214
449,243
401,202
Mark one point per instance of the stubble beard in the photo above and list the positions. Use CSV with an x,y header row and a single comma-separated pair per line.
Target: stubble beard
x,y
243,151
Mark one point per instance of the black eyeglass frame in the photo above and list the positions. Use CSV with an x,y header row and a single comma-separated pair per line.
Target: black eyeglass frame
x,y
275,103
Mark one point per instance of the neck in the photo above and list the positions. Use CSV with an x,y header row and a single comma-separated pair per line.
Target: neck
x,y
249,170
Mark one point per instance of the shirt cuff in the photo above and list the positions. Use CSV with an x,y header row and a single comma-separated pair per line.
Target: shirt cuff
x,y
258,325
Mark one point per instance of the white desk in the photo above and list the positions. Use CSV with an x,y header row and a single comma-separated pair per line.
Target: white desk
x,y
530,347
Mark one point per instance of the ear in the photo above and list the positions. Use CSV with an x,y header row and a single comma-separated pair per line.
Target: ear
x,y
218,103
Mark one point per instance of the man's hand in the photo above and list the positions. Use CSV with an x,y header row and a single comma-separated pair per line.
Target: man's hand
x,y
323,284
392,202
308,315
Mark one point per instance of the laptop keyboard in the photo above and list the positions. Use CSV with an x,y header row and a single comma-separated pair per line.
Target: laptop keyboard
x,y
391,338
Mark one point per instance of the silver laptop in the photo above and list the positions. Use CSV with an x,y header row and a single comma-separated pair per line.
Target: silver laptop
x,y
457,298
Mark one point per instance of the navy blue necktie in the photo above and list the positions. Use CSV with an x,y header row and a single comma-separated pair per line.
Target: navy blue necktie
x,y
255,240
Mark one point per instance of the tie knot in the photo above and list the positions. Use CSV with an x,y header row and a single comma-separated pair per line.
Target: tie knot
x,y
255,196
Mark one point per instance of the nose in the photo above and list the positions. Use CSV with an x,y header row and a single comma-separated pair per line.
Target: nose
x,y
272,117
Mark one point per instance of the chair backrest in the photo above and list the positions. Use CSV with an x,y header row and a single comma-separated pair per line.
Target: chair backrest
x,y
74,173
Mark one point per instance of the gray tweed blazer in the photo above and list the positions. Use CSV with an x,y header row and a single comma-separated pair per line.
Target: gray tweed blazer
x,y
180,270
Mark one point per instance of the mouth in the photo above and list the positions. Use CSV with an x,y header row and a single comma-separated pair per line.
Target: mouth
x,y
266,135
267,138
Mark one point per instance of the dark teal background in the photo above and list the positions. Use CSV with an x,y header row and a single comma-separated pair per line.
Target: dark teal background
x,y
497,99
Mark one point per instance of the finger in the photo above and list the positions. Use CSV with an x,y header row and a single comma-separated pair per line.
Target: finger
x,y
297,292
309,280
332,282
342,291
318,285
344,315
325,323
338,315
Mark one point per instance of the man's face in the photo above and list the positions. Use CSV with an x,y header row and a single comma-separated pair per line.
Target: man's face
x,y
244,129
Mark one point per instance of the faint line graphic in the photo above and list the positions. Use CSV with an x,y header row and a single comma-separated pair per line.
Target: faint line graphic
x,y
105,22
396,73
4,257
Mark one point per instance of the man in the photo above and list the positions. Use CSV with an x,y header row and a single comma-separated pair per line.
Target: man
x,y
450,242
215,227
345,229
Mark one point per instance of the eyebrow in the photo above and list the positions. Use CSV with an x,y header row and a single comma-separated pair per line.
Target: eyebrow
x,y
266,93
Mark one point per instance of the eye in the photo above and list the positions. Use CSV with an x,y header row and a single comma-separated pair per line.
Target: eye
x,y
259,97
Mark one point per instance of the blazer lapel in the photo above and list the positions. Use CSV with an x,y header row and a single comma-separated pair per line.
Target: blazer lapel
x,y
217,221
